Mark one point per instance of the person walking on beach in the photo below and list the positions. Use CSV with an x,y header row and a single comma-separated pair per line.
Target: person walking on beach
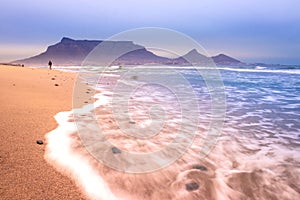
x,y
50,64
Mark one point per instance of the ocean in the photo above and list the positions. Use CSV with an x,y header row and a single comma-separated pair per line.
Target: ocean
x,y
157,132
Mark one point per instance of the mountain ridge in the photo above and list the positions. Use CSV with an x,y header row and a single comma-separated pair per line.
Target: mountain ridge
x,y
70,52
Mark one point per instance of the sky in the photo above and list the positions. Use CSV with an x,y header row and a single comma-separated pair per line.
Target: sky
x,y
250,30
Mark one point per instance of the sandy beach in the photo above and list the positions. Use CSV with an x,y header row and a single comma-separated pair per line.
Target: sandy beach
x,y
29,100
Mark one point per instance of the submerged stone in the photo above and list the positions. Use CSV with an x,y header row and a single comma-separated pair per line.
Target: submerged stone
x,y
200,167
115,150
191,186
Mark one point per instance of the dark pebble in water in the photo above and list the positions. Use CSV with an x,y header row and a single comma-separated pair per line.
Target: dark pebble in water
x,y
200,167
115,150
56,84
191,186
40,142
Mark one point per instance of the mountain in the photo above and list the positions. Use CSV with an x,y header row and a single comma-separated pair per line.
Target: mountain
x,y
192,57
139,57
66,52
69,52
223,59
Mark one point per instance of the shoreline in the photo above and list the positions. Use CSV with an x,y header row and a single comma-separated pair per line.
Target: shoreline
x,y
29,102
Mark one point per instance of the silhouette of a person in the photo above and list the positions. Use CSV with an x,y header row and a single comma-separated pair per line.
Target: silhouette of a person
x,y
50,64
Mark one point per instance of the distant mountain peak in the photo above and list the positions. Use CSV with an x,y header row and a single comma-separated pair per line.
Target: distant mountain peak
x,y
193,52
194,57
66,39
223,59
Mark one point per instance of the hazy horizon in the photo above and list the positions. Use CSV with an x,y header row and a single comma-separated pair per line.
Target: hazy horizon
x,y
248,31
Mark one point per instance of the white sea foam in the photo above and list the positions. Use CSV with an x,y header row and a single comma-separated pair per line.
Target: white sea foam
x,y
264,70
60,154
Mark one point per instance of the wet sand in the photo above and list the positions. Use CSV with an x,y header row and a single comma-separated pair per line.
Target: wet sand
x,y
29,100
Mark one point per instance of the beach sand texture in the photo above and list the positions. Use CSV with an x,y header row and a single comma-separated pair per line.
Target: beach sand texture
x,y
29,100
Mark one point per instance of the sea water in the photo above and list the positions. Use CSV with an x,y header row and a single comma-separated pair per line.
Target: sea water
x,y
109,147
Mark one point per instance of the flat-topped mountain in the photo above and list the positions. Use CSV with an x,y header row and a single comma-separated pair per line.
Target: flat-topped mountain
x,y
69,52
66,52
